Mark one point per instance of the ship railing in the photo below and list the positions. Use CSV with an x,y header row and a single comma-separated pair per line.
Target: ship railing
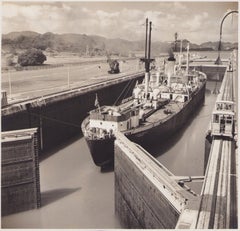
x,y
107,117
93,135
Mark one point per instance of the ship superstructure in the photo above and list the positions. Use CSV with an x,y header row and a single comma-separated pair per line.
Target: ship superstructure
x,y
159,106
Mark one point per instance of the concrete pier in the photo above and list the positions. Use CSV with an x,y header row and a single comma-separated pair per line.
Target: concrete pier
x,y
20,181
146,193
216,210
218,202
148,196
218,206
213,72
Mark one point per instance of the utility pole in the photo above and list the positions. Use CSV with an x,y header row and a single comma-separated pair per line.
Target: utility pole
x,y
68,78
10,85
176,37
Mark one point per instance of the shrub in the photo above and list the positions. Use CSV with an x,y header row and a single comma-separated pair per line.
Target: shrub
x,y
10,60
31,57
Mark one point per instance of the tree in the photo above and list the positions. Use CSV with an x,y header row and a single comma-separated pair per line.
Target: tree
x,y
10,60
31,57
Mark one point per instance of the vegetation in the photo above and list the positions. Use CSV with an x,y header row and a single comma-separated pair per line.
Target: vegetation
x,y
10,60
31,57
87,45
93,45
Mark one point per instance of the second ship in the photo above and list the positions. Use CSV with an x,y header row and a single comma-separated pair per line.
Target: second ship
x,y
159,106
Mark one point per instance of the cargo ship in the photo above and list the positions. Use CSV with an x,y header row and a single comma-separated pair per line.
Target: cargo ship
x,y
159,106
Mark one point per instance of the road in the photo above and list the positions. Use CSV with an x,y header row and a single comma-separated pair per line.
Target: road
x,y
36,83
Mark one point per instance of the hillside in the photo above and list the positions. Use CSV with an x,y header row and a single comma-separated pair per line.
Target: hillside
x,y
91,45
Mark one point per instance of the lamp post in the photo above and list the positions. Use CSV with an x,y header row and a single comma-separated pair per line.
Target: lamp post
x,y
218,61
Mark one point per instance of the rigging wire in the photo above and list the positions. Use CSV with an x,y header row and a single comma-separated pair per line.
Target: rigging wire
x,y
54,120
77,125
69,123
128,89
122,92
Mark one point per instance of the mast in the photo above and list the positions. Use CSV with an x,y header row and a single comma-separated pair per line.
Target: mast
x,y
146,42
180,56
147,56
96,104
149,46
187,67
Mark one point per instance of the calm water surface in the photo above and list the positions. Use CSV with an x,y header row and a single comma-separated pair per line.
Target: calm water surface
x,y
183,155
75,194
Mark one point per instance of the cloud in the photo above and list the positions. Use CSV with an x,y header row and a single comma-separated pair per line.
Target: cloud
x,y
179,6
129,15
197,23
116,20
9,11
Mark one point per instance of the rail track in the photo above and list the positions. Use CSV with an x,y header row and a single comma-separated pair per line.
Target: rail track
x,y
216,208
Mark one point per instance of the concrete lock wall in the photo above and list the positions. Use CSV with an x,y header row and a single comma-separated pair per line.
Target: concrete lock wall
x,y
59,117
207,149
143,198
20,183
213,72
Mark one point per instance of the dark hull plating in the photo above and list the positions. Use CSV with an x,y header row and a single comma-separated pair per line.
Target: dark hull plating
x,y
102,151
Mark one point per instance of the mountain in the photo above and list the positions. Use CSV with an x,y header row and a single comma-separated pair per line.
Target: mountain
x,y
224,45
77,43
15,42
15,35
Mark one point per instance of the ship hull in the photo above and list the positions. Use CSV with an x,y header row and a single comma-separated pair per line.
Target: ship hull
x,y
102,151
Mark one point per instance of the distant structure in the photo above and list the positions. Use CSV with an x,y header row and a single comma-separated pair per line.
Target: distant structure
x,y
4,101
87,51
113,64
175,44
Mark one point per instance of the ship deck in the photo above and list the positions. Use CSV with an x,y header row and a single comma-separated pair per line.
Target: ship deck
x,y
161,115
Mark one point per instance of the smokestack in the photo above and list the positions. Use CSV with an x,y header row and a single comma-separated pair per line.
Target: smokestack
x,y
170,54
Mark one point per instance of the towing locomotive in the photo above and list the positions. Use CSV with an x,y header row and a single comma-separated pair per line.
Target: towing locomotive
x,y
222,123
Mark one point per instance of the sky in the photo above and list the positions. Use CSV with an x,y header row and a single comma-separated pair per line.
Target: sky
x,y
196,21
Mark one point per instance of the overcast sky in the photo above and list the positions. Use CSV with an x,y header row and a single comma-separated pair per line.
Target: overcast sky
x,y
196,21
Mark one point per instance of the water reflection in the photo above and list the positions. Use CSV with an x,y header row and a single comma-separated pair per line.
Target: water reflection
x,y
183,154
51,196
